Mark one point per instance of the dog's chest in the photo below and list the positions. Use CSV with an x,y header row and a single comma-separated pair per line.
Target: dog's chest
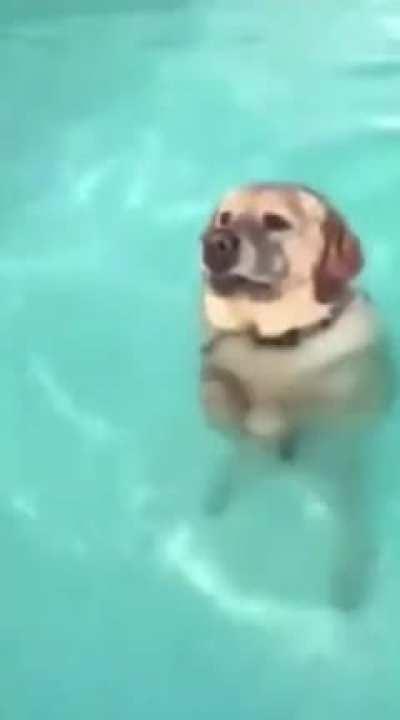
x,y
265,372
324,365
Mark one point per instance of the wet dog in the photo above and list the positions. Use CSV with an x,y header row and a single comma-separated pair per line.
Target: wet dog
x,y
289,343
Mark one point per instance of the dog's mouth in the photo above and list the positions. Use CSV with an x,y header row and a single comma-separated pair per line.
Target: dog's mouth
x,y
230,284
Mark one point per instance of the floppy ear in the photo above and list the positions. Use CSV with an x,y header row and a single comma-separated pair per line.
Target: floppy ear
x,y
341,258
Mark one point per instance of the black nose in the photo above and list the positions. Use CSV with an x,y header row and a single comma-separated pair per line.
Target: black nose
x,y
220,251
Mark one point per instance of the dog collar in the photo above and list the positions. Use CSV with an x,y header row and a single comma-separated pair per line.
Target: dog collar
x,y
294,336
290,338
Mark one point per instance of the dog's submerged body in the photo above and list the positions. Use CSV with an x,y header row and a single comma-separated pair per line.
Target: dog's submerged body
x,y
288,343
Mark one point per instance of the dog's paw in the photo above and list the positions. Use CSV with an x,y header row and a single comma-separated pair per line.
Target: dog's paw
x,y
351,583
219,497
288,448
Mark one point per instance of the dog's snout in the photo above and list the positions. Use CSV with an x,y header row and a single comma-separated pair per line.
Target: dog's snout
x,y
221,251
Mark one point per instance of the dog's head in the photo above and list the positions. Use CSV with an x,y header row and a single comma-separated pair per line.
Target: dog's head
x,y
268,239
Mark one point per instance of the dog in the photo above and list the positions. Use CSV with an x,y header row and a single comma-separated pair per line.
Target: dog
x,y
289,344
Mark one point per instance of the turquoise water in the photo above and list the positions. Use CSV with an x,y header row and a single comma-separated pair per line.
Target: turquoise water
x,y
118,130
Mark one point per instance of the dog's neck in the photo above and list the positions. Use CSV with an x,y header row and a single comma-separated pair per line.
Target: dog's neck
x,y
296,311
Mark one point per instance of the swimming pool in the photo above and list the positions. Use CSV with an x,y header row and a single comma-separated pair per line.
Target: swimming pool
x,y
119,598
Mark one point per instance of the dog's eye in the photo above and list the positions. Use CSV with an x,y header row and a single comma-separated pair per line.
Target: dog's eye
x,y
225,217
272,221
